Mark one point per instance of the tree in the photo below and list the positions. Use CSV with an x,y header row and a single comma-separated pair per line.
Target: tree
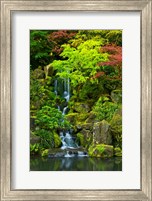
x,y
80,63
40,48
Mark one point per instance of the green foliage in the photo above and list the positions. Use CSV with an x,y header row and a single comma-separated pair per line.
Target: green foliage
x,y
114,36
57,140
40,92
34,148
40,48
91,91
101,150
118,152
80,63
50,118
104,109
116,130
80,139
44,153
92,59
47,138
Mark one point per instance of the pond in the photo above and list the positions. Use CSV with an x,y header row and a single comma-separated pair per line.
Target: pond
x,y
75,164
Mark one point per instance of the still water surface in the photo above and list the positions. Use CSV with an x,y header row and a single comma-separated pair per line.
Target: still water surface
x,y
75,164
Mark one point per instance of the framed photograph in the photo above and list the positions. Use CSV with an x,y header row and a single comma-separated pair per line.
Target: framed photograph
x,y
76,100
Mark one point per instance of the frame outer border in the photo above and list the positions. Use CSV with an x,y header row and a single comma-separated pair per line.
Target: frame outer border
x,y
145,194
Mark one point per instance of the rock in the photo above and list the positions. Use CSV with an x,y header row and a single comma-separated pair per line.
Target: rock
x,y
91,118
116,96
86,126
116,130
71,117
57,140
39,73
101,150
81,107
102,133
48,70
84,138
117,152
34,139
82,117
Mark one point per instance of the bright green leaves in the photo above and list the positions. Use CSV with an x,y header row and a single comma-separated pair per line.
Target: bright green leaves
x,y
50,118
80,63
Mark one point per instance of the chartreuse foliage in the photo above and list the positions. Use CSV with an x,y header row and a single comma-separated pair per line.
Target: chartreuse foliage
x,y
80,63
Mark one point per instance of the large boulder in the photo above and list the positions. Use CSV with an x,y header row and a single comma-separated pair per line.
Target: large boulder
x,y
102,133
84,138
101,150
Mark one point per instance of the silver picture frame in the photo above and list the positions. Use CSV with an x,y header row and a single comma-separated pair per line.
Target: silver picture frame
x,y
142,6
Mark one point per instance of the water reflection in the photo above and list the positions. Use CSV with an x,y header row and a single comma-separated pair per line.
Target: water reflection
x,y
75,164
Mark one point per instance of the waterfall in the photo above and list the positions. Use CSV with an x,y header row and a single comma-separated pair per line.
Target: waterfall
x,y
66,93
56,87
68,141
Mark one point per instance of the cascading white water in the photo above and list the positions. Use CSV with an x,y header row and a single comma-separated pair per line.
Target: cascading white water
x,y
66,92
68,141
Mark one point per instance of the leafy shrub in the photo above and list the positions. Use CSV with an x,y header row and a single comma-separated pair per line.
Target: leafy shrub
x,y
104,109
34,148
50,118
47,138
44,153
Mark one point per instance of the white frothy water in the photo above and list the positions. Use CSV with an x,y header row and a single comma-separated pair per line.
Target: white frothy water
x,y
67,140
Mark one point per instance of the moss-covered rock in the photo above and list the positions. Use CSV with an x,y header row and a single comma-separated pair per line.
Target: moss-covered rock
x,y
84,138
116,130
102,133
117,151
48,70
72,117
81,107
39,73
82,117
57,140
116,96
101,150
80,139
91,118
